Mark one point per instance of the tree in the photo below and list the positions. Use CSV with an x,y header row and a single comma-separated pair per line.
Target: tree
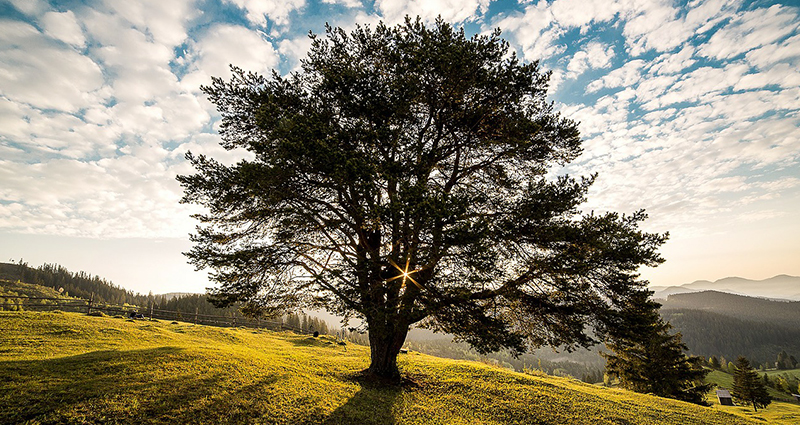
x,y
714,363
747,388
401,176
646,358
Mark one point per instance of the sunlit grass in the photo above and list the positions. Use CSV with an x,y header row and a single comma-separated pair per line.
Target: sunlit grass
x,y
70,368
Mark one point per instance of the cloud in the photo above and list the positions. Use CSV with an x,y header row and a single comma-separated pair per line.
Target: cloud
x,y
580,13
394,11
258,11
63,26
163,21
223,45
625,76
30,7
593,56
533,31
42,73
749,30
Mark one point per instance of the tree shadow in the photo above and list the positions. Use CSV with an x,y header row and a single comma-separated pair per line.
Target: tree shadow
x,y
375,403
109,386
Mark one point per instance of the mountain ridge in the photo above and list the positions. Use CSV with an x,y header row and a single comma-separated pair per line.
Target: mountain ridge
x,y
778,287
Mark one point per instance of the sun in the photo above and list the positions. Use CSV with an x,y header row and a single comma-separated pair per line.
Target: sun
x,y
405,273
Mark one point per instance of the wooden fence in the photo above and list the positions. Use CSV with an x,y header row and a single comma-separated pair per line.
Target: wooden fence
x,y
88,306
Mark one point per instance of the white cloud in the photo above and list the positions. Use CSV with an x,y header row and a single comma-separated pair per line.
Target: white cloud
x,y
533,31
579,13
750,30
224,45
771,54
258,11
674,62
593,56
394,11
624,76
63,26
345,3
163,21
39,72
30,7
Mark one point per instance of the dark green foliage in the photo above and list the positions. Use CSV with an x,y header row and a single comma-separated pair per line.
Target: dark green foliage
x,y
785,361
752,309
708,334
714,363
747,387
646,358
400,177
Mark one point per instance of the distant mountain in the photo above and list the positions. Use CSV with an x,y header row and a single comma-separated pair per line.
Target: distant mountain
x,y
779,287
662,292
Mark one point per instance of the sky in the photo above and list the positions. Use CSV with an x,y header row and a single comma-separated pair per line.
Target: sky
x,y
690,110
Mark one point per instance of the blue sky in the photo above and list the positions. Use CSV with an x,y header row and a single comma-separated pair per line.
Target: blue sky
x,y
690,110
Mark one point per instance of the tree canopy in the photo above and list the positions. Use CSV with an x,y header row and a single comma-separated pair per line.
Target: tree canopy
x,y
402,176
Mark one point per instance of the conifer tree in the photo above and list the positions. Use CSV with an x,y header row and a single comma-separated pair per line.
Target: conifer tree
x,y
402,176
646,358
747,388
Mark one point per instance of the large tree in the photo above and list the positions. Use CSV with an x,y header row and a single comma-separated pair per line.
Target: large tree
x,y
402,176
647,358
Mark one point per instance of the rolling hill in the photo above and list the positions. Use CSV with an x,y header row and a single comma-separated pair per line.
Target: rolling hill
x,y
781,313
70,368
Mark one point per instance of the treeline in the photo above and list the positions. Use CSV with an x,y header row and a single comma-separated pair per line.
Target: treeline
x,y
77,284
708,334
53,278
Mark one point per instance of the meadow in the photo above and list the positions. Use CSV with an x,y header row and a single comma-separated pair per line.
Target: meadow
x,y
70,368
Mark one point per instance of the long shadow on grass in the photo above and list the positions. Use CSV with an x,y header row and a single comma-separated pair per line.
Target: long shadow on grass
x,y
157,384
374,403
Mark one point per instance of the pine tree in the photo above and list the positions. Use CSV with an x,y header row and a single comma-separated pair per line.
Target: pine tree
x,y
402,175
648,359
747,388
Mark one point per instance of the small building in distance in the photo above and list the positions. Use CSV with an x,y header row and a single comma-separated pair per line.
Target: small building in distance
x,y
724,397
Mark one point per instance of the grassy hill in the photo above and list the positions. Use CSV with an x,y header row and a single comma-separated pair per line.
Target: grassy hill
x,y
70,368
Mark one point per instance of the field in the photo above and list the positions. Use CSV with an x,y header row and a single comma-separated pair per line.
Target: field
x,y
69,368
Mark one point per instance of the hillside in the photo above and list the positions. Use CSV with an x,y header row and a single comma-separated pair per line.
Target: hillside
x,y
70,368
713,334
782,313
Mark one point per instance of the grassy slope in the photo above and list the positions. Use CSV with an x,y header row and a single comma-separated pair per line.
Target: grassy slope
x,y
69,368
8,287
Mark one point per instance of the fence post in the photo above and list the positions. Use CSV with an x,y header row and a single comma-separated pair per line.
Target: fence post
x,y
89,304
151,310
195,315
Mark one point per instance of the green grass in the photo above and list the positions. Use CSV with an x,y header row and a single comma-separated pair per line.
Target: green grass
x,y
73,369
8,287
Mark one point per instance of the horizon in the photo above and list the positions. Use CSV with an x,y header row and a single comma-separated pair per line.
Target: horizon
x,y
688,109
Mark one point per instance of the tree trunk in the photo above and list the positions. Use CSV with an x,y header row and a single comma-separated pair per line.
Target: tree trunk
x,y
385,341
